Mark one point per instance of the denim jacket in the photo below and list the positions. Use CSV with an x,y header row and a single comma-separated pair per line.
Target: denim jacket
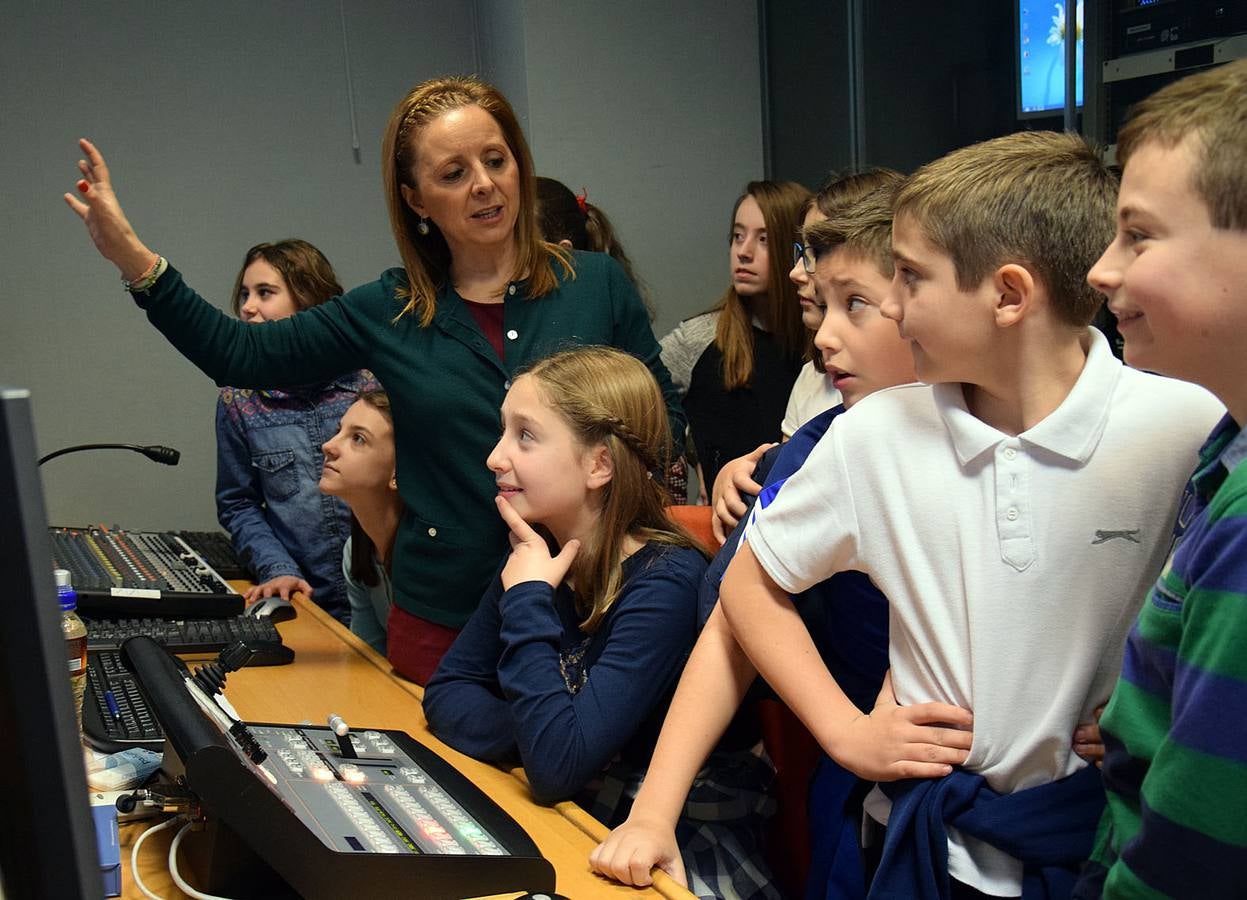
x,y
268,470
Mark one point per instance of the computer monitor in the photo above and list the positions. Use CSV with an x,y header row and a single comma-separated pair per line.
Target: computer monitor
x,y
1039,39
47,839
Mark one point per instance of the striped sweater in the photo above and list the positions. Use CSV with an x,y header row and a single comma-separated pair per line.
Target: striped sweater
x,y
1175,769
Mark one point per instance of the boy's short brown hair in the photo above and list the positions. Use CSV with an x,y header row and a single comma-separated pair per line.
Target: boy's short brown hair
x,y
863,228
1039,198
1210,108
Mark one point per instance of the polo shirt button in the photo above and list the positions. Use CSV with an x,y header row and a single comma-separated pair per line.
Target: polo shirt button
x,y
511,289
432,532
512,334
1010,453
1011,515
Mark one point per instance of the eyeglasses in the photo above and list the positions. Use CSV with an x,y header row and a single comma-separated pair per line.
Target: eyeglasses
x,y
804,255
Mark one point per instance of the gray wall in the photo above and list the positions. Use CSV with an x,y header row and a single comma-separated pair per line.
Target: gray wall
x,y
655,108
227,123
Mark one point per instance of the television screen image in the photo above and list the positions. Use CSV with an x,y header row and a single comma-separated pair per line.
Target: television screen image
x,y
1041,56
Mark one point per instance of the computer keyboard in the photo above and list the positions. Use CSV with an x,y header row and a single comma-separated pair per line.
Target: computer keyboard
x,y
115,711
217,550
180,635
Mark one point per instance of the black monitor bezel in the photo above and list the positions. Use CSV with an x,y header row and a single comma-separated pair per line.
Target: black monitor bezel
x,y
47,836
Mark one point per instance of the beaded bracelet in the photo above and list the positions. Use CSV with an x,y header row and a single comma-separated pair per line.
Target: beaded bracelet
x,y
143,283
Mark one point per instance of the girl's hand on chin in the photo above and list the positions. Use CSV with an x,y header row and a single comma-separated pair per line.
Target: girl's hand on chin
x,y
530,558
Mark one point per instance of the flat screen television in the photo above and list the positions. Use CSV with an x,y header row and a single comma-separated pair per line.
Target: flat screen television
x,y
47,837
1039,37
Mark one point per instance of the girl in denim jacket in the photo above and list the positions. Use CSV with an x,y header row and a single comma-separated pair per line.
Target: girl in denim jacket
x,y
268,443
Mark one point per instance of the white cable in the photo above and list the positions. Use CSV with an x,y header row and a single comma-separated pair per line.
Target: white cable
x,y
134,855
177,877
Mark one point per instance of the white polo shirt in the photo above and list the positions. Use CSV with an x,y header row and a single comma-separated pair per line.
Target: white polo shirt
x,y
1013,566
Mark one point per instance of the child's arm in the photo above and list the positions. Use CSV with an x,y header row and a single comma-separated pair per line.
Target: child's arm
x,y
463,701
240,510
889,743
711,689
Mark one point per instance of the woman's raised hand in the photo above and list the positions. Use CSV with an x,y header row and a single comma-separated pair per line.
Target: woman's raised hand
x,y
110,231
530,558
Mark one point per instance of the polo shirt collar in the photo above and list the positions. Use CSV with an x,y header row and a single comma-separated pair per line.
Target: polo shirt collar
x,y
1225,448
1071,431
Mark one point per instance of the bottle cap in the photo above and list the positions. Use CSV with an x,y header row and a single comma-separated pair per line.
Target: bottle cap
x,y
65,590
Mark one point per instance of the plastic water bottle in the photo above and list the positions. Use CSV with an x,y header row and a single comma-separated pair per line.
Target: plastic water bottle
x,y
75,639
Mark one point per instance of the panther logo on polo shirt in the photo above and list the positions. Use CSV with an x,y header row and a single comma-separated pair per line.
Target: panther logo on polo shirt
x,y
1104,535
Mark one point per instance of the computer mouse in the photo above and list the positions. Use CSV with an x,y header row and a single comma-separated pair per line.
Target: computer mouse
x,y
542,895
274,608
269,653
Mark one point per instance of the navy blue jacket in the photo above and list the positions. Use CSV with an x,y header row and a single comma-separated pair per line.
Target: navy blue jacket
x,y
1050,828
523,679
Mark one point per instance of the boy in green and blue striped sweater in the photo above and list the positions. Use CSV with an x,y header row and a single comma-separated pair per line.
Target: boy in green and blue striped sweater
x,y
1175,731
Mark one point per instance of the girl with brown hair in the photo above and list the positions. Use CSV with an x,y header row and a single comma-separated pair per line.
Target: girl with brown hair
x,y
736,363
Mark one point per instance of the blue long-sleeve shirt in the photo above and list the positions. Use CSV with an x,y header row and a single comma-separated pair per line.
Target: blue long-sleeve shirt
x,y
522,678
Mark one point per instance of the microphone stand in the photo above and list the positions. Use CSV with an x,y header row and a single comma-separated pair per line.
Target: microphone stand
x,y
166,456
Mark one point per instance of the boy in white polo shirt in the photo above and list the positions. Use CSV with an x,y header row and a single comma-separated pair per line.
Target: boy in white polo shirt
x,y
1011,509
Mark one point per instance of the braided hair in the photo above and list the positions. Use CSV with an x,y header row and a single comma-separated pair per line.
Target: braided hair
x,y
610,398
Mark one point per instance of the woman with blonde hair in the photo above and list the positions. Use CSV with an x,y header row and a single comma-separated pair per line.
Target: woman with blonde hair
x,y
479,296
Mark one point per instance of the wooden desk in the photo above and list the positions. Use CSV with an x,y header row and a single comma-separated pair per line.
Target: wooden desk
x,y
335,672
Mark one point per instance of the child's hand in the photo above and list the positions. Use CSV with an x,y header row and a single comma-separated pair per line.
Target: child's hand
x,y
284,585
1087,741
893,742
530,558
734,479
634,848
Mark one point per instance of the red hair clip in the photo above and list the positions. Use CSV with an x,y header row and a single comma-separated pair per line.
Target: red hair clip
x,y
582,201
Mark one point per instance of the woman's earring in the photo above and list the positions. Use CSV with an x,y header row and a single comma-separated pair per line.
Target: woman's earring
x,y
423,226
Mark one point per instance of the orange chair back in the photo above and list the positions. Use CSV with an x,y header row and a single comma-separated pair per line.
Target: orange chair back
x,y
696,520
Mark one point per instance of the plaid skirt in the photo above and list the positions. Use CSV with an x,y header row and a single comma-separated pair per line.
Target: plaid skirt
x,y
721,826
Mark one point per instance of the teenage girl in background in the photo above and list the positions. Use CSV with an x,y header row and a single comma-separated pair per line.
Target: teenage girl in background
x,y
812,392
571,657
571,221
737,362
268,443
360,469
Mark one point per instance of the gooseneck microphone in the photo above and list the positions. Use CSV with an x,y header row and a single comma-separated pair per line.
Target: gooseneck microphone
x,y
166,456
